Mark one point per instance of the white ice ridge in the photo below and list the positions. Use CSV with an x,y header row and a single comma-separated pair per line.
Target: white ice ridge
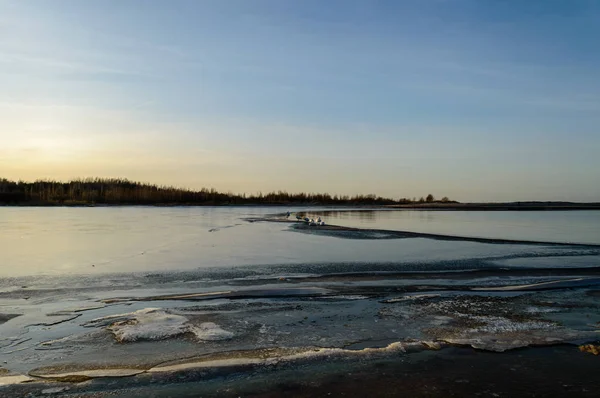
x,y
157,324
13,379
295,354
267,357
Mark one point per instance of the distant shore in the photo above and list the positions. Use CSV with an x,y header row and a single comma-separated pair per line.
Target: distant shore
x,y
94,191
509,206
123,192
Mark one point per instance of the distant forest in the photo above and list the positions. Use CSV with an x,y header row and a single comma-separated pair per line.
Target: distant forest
x,y
101,191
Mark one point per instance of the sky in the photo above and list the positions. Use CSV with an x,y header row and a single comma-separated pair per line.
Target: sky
x,y
477,100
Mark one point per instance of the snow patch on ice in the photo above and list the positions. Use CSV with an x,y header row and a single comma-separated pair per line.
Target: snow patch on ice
x,y
498,324
157,324
410,298
209,331
149,324
345,297
55,390
541,310
264,329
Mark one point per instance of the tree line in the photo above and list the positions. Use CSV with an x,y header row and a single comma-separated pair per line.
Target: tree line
x,y
116,191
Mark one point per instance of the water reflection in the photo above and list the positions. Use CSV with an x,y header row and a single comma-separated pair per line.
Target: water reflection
x,y
361,215
369,215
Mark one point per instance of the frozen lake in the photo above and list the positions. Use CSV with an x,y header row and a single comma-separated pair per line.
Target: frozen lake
x,y
150,292
58,241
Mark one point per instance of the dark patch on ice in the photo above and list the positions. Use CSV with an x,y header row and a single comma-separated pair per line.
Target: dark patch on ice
x,y
551,285
246,306
360,233
447,274
14,342
7,317
57,322
216,229
232,295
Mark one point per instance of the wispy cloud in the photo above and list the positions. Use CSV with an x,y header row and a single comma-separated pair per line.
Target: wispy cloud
x,y
20,61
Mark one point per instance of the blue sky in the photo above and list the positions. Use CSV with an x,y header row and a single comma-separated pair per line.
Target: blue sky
x,y
475,100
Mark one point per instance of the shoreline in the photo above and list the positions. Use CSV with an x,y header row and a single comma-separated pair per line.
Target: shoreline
x,y
553,371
